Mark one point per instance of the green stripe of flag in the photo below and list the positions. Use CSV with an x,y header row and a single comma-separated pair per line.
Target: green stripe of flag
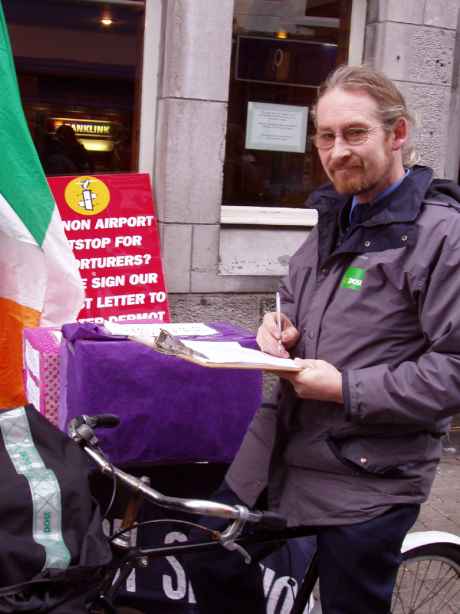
x,y
22,180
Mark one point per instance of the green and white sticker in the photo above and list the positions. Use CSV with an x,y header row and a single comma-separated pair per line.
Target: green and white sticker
x,y
353,278
43,484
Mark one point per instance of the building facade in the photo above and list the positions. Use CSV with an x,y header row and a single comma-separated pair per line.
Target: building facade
x,y
223,262
213,98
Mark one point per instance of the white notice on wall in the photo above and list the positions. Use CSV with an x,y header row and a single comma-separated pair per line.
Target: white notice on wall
x,y
276,127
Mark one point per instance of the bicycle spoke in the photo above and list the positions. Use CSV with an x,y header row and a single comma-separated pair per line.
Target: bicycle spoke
x,y
421,583
397,589
428,586
449,598
413,581
423,586
433,593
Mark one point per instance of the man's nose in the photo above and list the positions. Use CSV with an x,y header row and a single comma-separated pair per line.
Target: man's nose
x,y
340,148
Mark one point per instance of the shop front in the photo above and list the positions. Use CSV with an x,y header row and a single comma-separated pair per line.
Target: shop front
x,y
78,66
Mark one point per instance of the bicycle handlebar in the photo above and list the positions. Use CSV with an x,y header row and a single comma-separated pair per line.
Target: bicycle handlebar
x,y
80,430
272,521
192,506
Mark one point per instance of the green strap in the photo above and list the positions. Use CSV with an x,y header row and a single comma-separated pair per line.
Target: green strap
x,y
43,484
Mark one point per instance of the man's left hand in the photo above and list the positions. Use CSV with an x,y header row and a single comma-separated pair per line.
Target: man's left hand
x,y
318,380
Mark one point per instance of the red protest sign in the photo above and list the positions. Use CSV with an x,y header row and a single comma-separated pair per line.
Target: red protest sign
x,y
110,223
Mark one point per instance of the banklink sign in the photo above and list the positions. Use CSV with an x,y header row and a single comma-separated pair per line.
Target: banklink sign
x,y
85,127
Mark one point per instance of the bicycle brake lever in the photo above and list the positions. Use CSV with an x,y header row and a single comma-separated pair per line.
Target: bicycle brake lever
x,y
232,532
235,529
234,547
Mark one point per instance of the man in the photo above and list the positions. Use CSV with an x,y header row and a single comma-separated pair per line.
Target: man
x,y
370,312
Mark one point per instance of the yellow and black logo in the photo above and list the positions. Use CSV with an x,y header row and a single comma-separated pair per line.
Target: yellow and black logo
x,y
87,195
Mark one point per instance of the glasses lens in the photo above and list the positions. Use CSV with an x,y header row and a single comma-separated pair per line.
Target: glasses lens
x,y
351,136
324,140
355,136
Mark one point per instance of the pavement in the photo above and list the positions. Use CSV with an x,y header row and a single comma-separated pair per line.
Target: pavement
x,y
442,510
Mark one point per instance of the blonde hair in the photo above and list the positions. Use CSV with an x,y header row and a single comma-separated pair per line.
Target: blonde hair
x,y
390,101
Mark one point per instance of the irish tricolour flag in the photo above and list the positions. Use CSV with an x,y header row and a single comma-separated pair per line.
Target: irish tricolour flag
x,y
39,278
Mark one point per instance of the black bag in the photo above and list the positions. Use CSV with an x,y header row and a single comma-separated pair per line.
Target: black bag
x,y
52,548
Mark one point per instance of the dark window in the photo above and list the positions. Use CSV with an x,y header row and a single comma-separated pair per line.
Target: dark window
x,y
278,61
78,66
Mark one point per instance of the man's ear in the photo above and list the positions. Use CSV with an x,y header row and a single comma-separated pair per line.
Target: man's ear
x,y
400,133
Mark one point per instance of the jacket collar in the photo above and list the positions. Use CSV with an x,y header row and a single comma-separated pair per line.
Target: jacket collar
x,y
396,212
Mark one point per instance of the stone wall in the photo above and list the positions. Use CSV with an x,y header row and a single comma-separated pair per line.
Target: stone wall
x,y
191,132
190,148
414,43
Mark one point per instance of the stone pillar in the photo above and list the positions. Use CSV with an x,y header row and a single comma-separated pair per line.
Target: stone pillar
x,y
413,42
191,133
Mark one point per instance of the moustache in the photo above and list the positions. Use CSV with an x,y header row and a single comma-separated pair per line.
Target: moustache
x,y
345,167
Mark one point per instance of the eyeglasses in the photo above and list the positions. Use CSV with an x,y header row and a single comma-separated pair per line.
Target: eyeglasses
x,y
351,136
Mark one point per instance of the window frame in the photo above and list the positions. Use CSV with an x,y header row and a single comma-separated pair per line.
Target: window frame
x,y
290,216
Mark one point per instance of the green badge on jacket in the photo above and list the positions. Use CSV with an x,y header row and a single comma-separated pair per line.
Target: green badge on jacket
x,y
353,278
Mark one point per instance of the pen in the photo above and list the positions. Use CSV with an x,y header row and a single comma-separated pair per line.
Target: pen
x,y
278,319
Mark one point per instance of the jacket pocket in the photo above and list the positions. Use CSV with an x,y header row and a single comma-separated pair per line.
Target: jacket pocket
x,y
386,456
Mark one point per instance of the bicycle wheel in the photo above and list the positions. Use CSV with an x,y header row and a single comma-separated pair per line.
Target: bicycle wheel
x,y
428,581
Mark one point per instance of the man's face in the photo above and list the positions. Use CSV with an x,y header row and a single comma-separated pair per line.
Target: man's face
x,y
365,169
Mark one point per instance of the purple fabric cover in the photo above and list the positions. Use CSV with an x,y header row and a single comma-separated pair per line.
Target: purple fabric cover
x,y
171,410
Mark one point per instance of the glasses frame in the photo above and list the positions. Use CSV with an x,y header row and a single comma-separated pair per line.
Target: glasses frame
x,y
342,134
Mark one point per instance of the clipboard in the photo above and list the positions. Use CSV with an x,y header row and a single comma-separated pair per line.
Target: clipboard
x,y
248,358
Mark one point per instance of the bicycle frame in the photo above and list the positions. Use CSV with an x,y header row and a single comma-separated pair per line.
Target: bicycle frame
x,y
231,538
139,556
419,548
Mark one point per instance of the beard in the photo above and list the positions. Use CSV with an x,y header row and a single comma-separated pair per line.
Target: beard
x,y
355,177
351,180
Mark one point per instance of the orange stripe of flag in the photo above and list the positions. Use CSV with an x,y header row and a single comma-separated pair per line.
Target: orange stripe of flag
x,y
13,319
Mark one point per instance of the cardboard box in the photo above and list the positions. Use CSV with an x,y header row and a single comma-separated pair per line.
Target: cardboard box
x,y
41,369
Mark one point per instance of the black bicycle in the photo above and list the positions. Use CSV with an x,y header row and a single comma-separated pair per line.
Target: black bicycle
x,y
428,579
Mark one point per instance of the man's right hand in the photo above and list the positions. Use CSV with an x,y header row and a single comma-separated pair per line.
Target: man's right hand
x,y
269,339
